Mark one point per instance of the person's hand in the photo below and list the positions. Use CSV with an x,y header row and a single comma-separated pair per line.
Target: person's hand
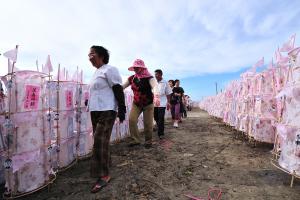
x,y
168,106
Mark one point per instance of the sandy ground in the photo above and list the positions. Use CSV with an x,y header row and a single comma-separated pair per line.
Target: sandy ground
x,y
201,154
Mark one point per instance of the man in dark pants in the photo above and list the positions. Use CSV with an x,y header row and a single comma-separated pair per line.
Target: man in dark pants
x,y
162,93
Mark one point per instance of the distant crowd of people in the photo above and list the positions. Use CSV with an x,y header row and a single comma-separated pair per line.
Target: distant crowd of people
x,y
152,96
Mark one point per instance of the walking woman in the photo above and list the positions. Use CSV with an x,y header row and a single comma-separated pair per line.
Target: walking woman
x,y
106,98
142,83
173,99
176,101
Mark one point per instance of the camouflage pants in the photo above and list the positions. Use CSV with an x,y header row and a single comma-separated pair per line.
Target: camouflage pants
x,y
103,122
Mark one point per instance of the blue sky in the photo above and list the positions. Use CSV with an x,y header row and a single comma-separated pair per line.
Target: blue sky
x,y
199,42
204,85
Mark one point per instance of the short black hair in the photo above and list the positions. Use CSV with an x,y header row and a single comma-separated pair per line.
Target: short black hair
x,y
159,71
101,52
177,81
172,81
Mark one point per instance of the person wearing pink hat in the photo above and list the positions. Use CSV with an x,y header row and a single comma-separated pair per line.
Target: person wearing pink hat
x,y
142,84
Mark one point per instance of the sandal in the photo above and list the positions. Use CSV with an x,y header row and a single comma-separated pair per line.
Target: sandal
x,y
101,183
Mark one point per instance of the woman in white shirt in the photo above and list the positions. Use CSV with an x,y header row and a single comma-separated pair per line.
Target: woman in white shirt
x,y
106,98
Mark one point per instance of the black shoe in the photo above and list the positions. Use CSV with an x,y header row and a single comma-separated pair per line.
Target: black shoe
x,y
161,137
148,145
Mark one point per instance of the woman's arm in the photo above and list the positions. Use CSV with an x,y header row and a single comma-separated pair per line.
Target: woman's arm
x,y
115,82
126,84
120,97
153,83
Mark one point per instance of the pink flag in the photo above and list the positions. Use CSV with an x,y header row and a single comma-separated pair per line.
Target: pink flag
x,y
289,45
280,59
294,52
63,75
75,76
260,62
277,55
81,76
257,64
271,65
12,54
48,66
60,74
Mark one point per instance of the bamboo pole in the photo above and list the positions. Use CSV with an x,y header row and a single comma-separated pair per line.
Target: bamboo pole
x,y
42,97
78,113
49,117
293,178
9,128
57,123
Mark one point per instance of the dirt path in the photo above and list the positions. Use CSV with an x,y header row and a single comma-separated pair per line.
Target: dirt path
x,y
200,154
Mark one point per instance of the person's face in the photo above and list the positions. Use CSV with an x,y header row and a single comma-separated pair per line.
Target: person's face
x,y
95,59
177,83
137,70
158,76
171,84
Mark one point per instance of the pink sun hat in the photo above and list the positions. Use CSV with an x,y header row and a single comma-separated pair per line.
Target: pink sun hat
x,y
137,63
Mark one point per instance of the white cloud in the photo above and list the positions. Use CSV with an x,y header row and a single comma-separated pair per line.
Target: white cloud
x,y
183,37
